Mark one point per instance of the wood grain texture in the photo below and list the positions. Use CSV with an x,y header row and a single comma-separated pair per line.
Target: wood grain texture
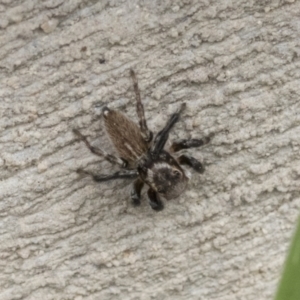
x,y
235,64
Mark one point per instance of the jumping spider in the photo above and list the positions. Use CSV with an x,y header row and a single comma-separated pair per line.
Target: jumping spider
x,y
143,158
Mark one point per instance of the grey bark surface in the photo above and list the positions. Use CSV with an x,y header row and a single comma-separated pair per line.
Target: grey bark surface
x,y
235,64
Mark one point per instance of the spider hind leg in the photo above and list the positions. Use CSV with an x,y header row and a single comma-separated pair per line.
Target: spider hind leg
x,y
97,151
147,134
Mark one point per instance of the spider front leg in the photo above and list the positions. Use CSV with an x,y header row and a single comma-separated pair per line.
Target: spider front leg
x,y
147,134
189,143
162,137
192,162
97,151
136,192
124,174
154,201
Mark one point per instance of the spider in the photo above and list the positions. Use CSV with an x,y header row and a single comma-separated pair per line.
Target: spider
x,y
143,158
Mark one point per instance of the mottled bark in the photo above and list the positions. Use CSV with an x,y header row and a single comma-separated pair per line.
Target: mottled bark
x,y
235,64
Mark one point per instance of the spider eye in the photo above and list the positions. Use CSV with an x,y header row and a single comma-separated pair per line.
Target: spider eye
x,y
176,173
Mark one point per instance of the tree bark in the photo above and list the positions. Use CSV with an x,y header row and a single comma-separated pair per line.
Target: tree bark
x,y
235,64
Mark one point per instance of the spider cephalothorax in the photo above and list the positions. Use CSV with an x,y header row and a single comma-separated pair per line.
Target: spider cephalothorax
x,y
163,174
143,158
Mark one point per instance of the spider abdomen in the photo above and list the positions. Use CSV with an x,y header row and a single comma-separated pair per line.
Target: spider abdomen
x,y
125,136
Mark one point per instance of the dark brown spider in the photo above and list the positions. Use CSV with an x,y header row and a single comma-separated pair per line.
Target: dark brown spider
x,y
143,158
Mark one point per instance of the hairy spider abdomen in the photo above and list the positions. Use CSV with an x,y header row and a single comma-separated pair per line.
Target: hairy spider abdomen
x,y
125,135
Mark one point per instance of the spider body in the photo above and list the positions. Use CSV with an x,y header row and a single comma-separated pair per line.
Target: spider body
x,y
126,136
163,174
144,159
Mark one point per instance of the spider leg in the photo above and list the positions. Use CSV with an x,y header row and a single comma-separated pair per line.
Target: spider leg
x,y
162,137
154,201
189,143
124,174
192,162
97,151
136,192
147,134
